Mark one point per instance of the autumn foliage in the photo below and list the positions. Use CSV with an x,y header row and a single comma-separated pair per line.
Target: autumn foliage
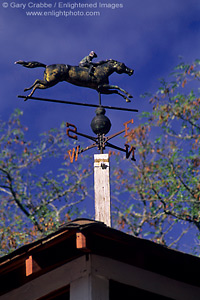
x,y
162,188
38,189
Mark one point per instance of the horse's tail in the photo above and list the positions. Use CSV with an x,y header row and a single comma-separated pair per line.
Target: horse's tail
x,y
30,64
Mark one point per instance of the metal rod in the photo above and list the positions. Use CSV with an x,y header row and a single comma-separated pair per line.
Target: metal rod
x,y
87,136
99,99
77,103
87,148
115,147
114,135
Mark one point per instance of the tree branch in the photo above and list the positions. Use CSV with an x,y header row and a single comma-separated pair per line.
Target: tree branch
x,y
17,201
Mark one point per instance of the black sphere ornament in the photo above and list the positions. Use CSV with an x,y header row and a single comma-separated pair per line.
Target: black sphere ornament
x,y
100,123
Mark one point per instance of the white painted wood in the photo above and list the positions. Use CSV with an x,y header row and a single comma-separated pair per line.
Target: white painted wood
x,y
90,287
100,288
143,279
93,277
102,188
80,289
50,281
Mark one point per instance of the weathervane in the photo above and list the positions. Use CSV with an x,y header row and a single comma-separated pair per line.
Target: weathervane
x,y
94,76
100,126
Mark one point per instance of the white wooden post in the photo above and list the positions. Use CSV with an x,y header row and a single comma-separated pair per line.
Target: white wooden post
x,y
90,287
102,188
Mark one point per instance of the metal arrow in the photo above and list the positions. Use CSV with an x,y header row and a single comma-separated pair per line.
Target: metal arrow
x,y
77,103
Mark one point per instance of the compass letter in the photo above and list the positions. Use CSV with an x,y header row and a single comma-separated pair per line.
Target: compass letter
x,y
126,127
71,130
128,152
72,153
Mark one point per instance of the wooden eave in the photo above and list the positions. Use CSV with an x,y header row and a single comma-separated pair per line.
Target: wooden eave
x,y
82,237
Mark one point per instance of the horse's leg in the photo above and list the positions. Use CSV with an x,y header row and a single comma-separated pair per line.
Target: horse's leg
x,y
108,92
36,82
108,86
37,86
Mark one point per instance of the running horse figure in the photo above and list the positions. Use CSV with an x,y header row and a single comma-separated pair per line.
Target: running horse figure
x,y
79,76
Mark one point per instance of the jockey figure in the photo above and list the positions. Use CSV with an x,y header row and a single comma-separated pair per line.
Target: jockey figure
x,y
87,62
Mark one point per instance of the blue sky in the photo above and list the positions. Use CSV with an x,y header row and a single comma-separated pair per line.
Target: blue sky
x,y
147,35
